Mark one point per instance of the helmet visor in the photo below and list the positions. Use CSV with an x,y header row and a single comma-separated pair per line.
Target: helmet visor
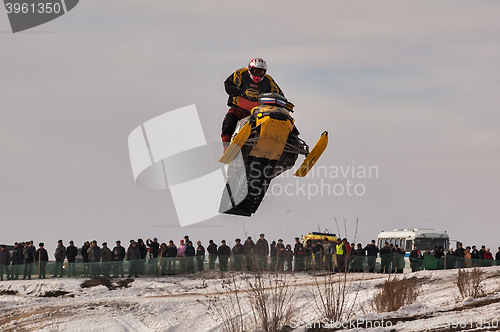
x,y
259,72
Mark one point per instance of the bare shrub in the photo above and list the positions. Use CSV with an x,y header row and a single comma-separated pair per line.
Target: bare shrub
x,y
225,306
470,283
331,297
334,296
396,293
270,298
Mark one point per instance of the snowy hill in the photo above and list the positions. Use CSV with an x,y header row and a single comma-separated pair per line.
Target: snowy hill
x,y
179,303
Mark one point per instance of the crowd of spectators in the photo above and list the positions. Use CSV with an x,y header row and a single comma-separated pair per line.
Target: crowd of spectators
x,y
154,258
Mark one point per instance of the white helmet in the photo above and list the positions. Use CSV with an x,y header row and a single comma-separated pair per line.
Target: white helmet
x,y
255,68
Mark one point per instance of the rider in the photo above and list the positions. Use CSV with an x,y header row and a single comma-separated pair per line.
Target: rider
x,y
243,87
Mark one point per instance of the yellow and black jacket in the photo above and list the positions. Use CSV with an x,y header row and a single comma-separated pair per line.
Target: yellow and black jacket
x,y
240,85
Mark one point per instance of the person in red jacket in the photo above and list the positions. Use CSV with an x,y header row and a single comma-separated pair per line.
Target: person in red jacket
x,y
243,87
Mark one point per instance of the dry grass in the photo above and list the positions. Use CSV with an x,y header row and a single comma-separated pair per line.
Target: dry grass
x,y
470,283
395,293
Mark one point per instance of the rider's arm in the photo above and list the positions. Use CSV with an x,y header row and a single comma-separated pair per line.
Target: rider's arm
x,y
273,86
233,85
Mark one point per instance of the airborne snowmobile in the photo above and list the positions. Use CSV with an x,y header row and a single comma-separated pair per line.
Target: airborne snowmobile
x,y
266,145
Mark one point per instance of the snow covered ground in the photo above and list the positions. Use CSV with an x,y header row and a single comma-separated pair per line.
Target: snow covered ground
x,y
177,304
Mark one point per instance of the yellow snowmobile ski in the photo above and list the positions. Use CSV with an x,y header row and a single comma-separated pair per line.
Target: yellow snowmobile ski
x,y
313,157
236,144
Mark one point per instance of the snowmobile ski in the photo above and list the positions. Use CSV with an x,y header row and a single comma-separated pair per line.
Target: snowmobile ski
x,y
236,144
313,157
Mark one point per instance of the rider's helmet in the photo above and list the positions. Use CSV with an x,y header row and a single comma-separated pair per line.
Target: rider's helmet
x,y
257,69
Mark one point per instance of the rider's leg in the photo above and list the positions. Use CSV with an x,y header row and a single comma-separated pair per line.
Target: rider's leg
x,y
231,119
228,126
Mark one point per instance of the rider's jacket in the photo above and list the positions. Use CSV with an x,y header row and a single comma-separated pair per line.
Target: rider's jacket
x,y
240,85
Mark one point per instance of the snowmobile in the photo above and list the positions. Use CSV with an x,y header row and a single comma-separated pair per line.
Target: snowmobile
x,y
264,145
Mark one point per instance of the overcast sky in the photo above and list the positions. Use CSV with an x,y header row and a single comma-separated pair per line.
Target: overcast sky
x,y
411,87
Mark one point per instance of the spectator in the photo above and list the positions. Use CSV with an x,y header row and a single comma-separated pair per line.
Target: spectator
x,y
142,247
71,253
42,257
439,252
481,256
318,255
59,255
288,257
497,256
474,255
4,262
482,251
488,257
328,251
94,258
163,258
272,250
298,253
460,254
249,252
171,254
262,251
308,249
280,252
223,252
238,253
118,257
133,255
360,258
340,253
181,249
351,256
385,258
29,253
107,259
392,260
450,259
347,246
399,259
85,258
467,257
371,255
17,260
190,253
200,255
154,247
212,254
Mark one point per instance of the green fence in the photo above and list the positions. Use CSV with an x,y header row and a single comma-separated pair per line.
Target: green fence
x,y
391,263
